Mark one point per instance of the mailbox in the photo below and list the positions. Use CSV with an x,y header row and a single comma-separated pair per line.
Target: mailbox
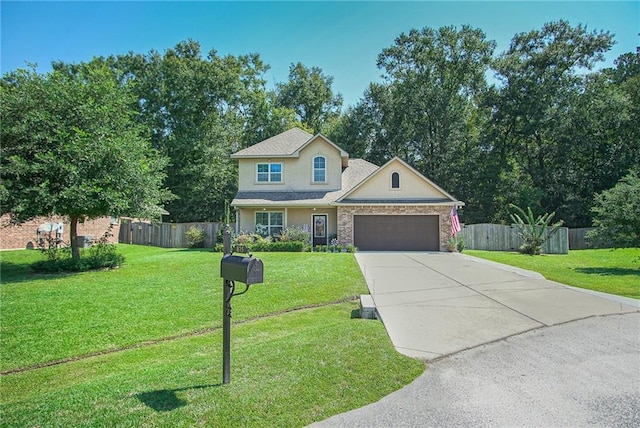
x,y
242,269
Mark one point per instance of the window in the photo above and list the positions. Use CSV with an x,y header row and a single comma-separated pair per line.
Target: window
x,y
269,223
269,173
319,169
395,180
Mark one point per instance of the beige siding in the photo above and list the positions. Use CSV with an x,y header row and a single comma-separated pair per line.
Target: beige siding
x,y
293,217
303,169
296,172
412,186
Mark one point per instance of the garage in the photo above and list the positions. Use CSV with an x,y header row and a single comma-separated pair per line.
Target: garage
x,y
396,232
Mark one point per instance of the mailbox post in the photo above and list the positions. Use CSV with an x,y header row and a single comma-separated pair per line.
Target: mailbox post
x,y
245,269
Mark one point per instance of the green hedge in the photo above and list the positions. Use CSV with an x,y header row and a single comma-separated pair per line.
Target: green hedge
x,y
280,246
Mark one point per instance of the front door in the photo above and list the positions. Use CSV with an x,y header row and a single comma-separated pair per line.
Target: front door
x,y
320,229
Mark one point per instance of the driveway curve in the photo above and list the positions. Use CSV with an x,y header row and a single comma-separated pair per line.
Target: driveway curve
x,y
504,346
584,373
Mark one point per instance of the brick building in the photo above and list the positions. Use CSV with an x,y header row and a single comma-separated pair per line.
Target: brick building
x,y
24,235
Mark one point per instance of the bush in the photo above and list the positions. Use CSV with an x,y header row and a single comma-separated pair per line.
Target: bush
x,y
456,243
533,230
100,259
295,234
102,255
280,246
195,237
52,247
617,214
292,239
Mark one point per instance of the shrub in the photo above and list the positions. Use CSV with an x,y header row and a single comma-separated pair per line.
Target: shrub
x,y
456,243
533,230
280,246
295,234
617,214
52,247
351,248
101,255
195,237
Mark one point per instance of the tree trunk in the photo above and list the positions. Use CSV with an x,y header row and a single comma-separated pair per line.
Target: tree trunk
x,y
73,232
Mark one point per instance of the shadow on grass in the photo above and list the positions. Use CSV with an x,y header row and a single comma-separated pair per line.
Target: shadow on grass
x,y
607,271
23,272
166,400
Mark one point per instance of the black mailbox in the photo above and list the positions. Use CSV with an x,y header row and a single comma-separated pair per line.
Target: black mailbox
x,y
242,269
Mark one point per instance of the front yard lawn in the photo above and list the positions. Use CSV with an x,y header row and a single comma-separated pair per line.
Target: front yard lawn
x,y
157,293
297,354
613,271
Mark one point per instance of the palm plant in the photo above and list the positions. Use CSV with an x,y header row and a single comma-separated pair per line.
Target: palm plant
x,y
534,231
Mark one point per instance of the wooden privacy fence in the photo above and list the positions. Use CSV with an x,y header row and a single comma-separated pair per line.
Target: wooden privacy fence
x,y
167,235
497,237
577,240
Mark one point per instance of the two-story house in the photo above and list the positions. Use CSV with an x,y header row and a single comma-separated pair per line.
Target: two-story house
x,y
296,178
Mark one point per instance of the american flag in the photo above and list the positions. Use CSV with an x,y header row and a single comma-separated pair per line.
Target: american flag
x,y
455,221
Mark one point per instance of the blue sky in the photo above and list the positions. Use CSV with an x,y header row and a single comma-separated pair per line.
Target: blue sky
x,y
342,38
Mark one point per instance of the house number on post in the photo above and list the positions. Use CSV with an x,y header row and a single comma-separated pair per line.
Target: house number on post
x,y
245,269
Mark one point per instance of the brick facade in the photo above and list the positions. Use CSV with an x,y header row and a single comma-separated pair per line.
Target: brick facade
x,y
24,235
346,213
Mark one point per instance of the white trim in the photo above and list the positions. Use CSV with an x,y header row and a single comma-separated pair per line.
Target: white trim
x,y
269,181
269,226
326,226
313,169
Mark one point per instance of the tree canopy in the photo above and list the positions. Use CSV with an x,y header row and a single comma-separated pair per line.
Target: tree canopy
x,y
308,92
71,147
550,133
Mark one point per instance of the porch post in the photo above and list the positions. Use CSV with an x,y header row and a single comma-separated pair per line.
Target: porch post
x,y
286,217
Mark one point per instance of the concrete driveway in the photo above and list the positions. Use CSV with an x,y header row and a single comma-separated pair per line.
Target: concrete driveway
x,y
436,304
507,347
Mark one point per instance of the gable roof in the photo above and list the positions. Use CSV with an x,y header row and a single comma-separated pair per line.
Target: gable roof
x,y
283,144
287,144
445,199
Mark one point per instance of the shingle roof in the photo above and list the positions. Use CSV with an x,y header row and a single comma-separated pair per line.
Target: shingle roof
x,y
283,144
356,171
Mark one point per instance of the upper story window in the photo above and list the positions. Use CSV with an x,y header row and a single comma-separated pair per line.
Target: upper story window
x,y
269,173
319,169
395,180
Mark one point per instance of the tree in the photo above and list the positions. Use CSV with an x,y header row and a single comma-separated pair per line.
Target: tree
x,y
308,92
71,147
542,75
617,214
427,110
199,110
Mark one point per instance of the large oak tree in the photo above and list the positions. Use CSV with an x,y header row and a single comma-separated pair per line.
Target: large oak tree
x,y
71,147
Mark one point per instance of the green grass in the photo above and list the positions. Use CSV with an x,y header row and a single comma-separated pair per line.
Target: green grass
x,y
613,271
155,294
289,367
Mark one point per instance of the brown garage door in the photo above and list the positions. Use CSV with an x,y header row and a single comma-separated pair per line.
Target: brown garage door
x,y
396,232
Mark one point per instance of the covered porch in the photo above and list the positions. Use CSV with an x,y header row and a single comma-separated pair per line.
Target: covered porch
x,y
320,221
